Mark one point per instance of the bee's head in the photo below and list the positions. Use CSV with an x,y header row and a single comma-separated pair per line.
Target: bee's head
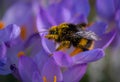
x,y
53,30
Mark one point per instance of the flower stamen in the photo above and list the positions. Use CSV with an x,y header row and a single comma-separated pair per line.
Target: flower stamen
x,y
1,25
55,79
44,79
76,51
21,53
23,33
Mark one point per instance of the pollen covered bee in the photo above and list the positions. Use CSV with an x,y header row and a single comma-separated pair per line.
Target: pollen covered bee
x,y
72,35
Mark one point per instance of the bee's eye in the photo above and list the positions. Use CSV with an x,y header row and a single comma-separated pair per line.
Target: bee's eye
x,y
52,32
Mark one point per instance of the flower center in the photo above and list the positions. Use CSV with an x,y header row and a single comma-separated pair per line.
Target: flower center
x,y
21,53
1,25
23,33
54,79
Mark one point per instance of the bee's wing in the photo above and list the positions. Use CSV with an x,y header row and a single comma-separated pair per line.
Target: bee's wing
x,y
87,34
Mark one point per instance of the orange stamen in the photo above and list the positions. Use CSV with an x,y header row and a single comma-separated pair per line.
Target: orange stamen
x,y
44,79
23,33
1,25
21,53
55,79
76,51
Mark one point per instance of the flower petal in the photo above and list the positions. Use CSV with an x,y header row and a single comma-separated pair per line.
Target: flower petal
x,y
50,70
81,7
106,39
55,10
79,19
88,56
18,13
66,14
44,20
105,8
48,45
62,59
32,46
117,18
98,27
5,70
26,68
117,4
41,58
74,73
36,77
2,54
10,32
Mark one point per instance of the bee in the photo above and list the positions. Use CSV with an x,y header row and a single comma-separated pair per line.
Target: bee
x,y
68,34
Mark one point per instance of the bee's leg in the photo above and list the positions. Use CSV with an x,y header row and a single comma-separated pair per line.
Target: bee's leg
x,y
51,36
63,45
76,51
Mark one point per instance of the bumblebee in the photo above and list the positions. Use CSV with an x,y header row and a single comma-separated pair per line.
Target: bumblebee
x,y
68,34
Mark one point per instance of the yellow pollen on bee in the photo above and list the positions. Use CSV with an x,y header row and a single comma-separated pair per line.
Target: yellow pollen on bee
x,y
49,36
21,53
1,25
63,25
83,42
23,33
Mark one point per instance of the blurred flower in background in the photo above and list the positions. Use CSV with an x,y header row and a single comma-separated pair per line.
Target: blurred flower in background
x,y
16,41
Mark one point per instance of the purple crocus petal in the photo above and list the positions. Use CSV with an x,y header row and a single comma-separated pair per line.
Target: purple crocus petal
x,y
41,58
79,19
105,8
33,44
117,4
26,68
5,70
98,27
44,20
50,70
19,11
105,40
48,45
81,7
62,59
74,73
10,32
88,56
2,54
117,18
56,12
66,14
36,77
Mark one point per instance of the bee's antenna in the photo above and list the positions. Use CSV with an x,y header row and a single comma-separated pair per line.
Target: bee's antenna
x,y
42,31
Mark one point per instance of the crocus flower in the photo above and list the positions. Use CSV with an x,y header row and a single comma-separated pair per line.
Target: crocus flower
x,y
10,33
25,38
109,10
45,20
43,67
59,12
